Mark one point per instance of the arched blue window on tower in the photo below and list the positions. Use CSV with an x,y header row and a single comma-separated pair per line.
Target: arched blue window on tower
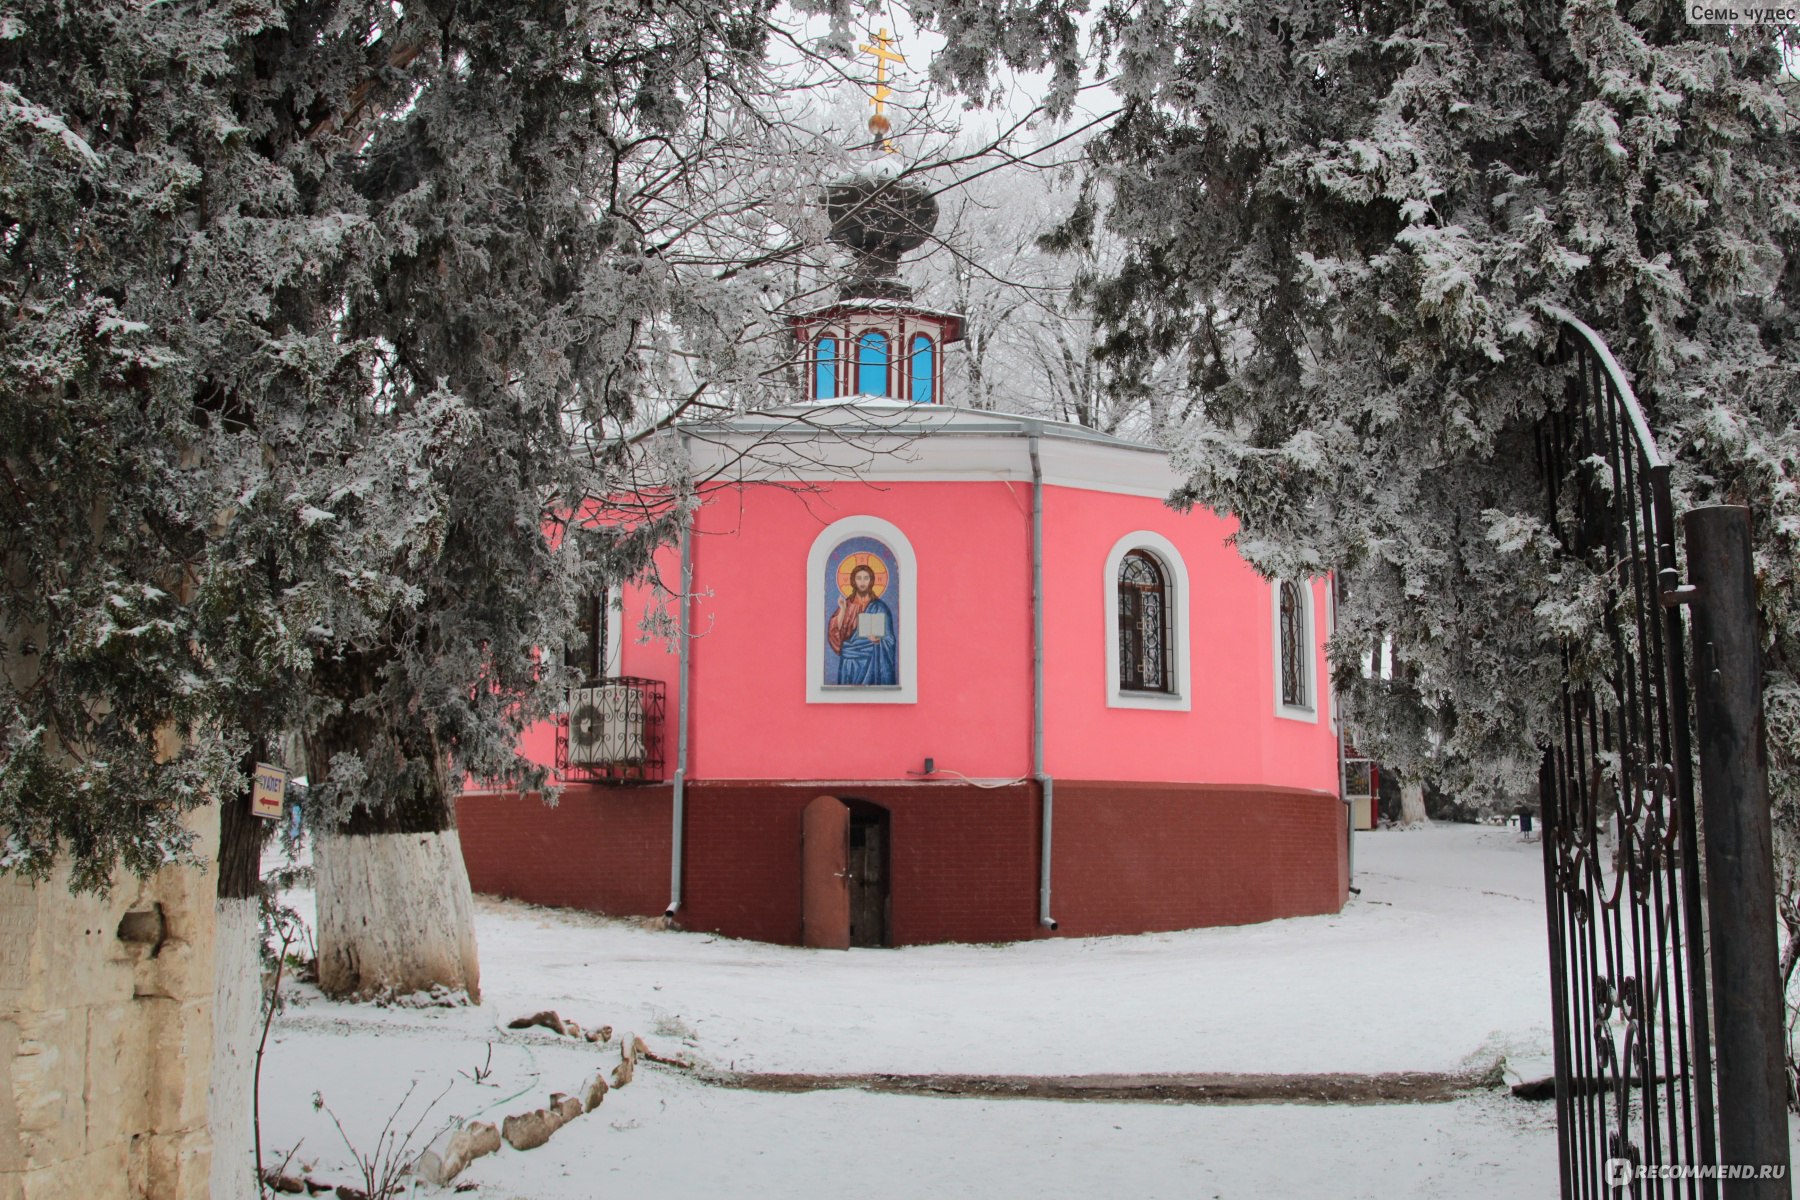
x,y
921,369
825,367
872,364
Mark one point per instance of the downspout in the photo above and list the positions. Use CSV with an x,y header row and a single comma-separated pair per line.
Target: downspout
x,y
1349,815
683,627
1337,722
1046,785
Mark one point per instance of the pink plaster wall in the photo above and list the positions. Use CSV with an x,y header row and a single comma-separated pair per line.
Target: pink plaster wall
x,y
751,720
1231,734
973,715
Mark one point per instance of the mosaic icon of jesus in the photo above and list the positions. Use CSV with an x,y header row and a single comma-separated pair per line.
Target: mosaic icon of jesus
x,y
862,632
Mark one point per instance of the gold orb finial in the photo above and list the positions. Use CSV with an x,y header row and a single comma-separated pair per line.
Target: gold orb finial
x,y
884,53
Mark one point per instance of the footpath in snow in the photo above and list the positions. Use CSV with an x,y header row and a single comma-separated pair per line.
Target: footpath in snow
x,y
1437,966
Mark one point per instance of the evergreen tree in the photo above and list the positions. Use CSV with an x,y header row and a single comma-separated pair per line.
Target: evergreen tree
x,y
318,324
1352,217
1351,220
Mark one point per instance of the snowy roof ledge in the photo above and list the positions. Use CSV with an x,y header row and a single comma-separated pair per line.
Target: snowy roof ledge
x,y
886,441
804,320
880,415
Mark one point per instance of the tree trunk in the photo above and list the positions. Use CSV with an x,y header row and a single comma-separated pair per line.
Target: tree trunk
x,y
394,910
395,914
237,997
1412,806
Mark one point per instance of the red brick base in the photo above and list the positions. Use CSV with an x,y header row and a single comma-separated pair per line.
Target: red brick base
x,y
1127,857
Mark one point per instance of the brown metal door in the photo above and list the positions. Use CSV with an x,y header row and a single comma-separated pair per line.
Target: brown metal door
x,y
868,880
824,874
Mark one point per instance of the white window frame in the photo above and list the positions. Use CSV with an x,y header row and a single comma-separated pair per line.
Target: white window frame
x,y
817,691
1309,712
1175,576
612,611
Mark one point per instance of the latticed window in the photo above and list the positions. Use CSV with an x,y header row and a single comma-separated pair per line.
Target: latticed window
x,y
1293,647
1143,624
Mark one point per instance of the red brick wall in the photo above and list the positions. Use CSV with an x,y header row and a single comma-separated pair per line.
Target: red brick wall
x,y
605,850
963,860
1133,857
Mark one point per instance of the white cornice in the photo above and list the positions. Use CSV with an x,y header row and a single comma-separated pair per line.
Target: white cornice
x,y
964,451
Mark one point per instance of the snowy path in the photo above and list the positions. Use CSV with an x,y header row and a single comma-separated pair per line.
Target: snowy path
x,y
1438,965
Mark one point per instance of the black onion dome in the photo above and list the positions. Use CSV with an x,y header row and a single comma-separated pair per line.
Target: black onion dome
x,y
878,220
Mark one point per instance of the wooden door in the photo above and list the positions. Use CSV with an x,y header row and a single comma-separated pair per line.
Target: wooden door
x,y
824,874
868,878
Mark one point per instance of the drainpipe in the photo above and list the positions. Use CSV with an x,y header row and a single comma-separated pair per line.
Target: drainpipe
x,y
683,626
1046,785
1337,720
1349,816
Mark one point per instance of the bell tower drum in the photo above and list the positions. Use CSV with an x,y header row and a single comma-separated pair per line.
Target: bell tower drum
x,y
874,341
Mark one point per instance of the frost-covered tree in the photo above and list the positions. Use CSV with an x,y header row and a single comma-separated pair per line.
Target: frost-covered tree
x,y
320,319
177,390
115,471
1351,219
536,164
1001,261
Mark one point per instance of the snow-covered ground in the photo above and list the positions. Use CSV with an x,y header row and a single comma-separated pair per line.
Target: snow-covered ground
x,y
1439,965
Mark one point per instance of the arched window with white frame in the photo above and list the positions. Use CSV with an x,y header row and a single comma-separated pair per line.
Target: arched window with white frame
x,y
1143,624
1296,683
1148,651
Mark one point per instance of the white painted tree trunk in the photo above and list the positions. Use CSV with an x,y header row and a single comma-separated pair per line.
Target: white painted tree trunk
x,y
1412,805
237,1022
395,914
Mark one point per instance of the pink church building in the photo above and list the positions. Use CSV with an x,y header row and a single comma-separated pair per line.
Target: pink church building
x,y
947,675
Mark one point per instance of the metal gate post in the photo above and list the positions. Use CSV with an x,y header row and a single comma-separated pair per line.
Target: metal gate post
x,y
1740,872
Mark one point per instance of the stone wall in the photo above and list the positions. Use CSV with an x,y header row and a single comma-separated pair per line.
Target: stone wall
x,y
106,1035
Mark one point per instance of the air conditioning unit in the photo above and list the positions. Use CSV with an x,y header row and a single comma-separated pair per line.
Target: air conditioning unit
x,y
606,725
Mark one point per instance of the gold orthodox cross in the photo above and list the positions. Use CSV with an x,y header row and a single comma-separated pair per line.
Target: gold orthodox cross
x,y
884,53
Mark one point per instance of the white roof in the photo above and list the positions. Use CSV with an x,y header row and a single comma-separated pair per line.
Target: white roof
x,y
877,438
874,304
886,415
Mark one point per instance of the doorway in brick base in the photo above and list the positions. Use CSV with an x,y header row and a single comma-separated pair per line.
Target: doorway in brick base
x,y
868,870
843,874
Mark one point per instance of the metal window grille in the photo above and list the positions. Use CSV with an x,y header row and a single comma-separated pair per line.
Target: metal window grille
x,y
1143,624
1293,647
585,652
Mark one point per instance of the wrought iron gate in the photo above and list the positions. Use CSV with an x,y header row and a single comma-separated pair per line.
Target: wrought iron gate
x,y
1632,1024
